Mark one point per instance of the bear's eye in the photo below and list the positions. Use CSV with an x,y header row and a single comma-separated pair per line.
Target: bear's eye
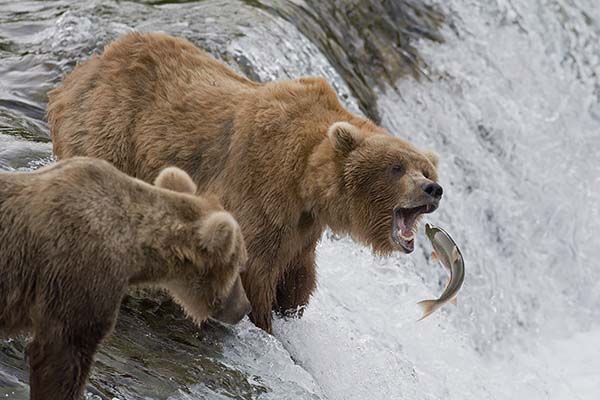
x,y
397,169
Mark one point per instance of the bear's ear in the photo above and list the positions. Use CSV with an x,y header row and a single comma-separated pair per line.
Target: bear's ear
x,y
345,137
175,179
432,157
221,236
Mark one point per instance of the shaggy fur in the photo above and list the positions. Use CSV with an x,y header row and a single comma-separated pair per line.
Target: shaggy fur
x,y
75,235
284,157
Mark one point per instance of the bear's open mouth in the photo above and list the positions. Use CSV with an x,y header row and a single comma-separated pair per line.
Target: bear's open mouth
x,y
404,225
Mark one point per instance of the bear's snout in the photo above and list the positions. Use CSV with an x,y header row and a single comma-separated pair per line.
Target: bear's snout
x,y
236,306
433,190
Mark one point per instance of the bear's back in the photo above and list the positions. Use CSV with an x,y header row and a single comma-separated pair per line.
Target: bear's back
x,y
64,191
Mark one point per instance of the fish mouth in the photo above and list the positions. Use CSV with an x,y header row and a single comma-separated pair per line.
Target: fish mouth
x,y
405,223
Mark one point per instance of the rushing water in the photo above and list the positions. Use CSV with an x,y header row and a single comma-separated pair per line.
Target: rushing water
x,y
506,91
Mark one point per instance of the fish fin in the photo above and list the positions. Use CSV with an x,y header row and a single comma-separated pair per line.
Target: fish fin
x,y
454,300
455,255
434,256
427,306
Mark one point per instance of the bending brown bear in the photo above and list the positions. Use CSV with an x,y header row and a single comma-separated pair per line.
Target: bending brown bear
x,y
75,235
285,157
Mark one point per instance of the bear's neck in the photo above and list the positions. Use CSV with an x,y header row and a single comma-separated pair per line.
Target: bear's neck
x,y
158,236
324,191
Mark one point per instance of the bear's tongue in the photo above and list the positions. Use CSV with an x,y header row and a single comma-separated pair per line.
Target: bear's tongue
x,y
405,222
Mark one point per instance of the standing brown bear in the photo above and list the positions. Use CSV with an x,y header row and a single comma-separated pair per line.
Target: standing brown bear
x,y
74,236
284,157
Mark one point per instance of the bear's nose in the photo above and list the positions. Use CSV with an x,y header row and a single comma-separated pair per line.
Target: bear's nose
x,y
434,190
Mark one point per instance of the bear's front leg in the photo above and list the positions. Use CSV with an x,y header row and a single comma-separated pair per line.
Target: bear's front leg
x,y
260,284
297,284
63,347
59,367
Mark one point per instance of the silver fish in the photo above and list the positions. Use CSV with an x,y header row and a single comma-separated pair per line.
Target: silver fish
x,y
447,252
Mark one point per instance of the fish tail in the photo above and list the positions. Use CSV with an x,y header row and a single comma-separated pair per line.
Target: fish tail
x,y
427,306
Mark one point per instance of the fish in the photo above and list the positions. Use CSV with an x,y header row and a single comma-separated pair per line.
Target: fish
x,y
447,252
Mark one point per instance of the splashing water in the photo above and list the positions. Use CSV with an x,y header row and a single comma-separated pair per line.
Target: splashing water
x,y
510,101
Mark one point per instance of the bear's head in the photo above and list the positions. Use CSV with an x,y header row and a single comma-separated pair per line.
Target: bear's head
x,y
211,253
379,186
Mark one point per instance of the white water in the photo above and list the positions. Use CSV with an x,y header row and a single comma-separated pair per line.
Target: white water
x,y
512,109
511,106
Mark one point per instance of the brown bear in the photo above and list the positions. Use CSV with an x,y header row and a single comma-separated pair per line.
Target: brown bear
x,y
286,158
75,235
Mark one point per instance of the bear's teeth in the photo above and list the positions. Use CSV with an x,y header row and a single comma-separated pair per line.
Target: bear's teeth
x,y
409,237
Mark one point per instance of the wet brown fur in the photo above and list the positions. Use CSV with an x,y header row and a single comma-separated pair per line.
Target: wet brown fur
x,y
152,100
75,235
